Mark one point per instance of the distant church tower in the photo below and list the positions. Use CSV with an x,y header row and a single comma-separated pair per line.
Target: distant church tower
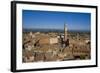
x,y
65,33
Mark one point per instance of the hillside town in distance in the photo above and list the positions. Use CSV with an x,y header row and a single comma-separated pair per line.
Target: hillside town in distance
x,y
55,46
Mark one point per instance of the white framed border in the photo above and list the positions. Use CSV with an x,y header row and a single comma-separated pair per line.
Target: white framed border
x,y
40,65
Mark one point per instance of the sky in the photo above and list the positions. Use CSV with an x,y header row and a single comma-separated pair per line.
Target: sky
x,y
32,19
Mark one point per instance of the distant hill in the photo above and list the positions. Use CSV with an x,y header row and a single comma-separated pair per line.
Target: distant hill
x,y
53,30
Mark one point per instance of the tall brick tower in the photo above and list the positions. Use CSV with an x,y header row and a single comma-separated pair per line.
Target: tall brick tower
x,y
65,33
